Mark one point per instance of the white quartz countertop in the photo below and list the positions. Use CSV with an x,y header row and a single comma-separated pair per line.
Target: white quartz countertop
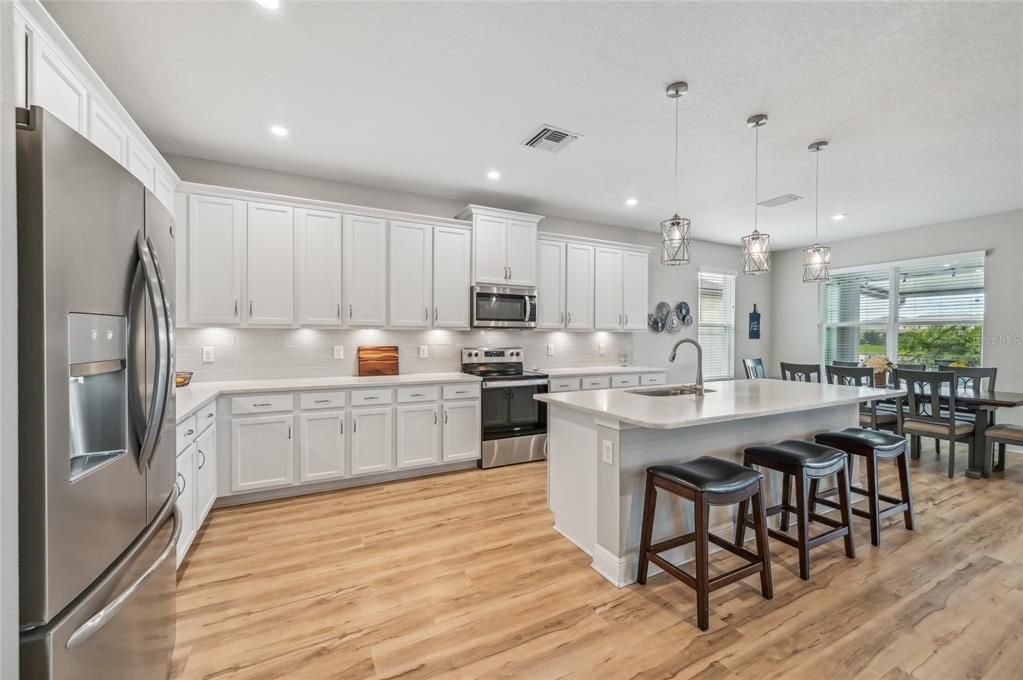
x,y
193,397
598,370
730,400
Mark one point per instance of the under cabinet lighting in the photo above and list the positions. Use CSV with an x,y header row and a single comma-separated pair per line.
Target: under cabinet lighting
x,y
279,130
631,202
838,217
493,174
269,4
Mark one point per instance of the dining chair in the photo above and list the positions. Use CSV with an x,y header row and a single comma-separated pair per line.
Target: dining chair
x,y
972,379
801,372
870,416
754,368
846,364
912,367
925,416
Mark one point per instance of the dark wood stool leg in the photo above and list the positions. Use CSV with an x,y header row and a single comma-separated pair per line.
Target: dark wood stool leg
x,y
814,488
902,460
649,504
763,549
702,562
873,500
802,526
786,499
740,521
846,502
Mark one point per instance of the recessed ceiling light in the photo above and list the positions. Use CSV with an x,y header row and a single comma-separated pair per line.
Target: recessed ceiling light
x,y
269,4
493,174
838,217
631,202
279,130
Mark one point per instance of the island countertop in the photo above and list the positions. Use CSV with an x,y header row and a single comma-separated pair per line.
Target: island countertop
x,y
730,400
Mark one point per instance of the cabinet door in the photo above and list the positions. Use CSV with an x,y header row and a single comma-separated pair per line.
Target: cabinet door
x,y
461,430
55,87
634,290
205,473
372,445
318,267
550,284
262,452
410,275
490,241
186,501
418,435
452,250
521,253
106,132
578,287
215,232
365,271
269,265
323,446
607,289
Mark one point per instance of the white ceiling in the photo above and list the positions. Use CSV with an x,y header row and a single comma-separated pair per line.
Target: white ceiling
x,y
922,102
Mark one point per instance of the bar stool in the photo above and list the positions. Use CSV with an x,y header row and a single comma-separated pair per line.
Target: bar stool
x,y
873,446
807,462
706,481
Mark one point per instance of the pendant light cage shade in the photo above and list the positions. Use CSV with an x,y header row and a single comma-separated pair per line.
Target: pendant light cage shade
x,y
675,241
816,264
756,253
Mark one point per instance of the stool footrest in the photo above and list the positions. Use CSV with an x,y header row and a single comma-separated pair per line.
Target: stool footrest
x,y
673,542
719,581
897,506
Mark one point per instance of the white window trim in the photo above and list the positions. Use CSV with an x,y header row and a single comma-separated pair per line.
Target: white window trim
x,y
735,294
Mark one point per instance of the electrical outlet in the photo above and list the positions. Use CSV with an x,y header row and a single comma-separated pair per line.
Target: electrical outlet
x,y
207,354
607,452
600,349
339,351
424,351
550,349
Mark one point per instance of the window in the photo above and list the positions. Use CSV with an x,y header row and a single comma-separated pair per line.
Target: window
x,y
926,312
716,330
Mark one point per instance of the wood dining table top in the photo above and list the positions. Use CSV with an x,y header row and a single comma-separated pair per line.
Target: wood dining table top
x,y
984,397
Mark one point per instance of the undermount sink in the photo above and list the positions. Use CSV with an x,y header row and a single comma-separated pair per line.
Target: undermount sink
x,y
669,391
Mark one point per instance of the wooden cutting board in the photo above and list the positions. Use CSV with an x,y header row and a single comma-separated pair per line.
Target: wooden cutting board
x,y
378,360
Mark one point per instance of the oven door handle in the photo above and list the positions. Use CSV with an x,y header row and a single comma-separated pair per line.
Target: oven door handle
x,y
493,385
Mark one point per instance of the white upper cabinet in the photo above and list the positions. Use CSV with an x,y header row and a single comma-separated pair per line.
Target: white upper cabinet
x,y
504,246
365,271
107,132
578,287
607,289
635,286
521,253
215,234
318,267
411,275
451,277
55,87
270,259
21,48
550,284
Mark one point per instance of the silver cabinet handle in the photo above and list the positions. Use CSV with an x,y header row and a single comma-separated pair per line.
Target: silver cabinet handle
x,y
263,404
417,395
101,618
435,417
339,310
189,433
236,307
321,401
370,398
250,307
426,313
626,319
445,417
289,431
570,317
184,484
203,463
461,391
355,425
340,426
619,319
210,415
434,313
349,311
561,319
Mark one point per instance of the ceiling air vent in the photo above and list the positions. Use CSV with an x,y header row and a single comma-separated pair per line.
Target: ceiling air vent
x,y
780,200
552,139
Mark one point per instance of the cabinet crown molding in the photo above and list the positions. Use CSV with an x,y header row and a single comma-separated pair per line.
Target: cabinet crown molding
x,y
583,240
471,210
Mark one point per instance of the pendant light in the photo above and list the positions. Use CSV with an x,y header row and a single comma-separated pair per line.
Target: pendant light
x,y
817,258
675,231
756,247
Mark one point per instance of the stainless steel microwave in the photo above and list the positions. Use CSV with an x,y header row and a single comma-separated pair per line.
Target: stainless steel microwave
x,y
503,307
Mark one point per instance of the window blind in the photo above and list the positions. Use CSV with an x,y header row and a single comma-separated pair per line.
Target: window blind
x,y
950,292
716,324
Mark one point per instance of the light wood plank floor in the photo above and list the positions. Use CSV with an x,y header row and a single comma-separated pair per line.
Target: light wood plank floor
x,y
461,576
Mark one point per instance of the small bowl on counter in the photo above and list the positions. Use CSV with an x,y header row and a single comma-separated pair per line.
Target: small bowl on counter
x,y
182,378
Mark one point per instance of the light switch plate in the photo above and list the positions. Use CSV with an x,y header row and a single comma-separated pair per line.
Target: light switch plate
x,y
339,351
207,354
424,351
600,349
550,349
607,452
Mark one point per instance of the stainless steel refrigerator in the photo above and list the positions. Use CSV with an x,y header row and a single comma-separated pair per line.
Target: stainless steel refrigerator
x,y
98,520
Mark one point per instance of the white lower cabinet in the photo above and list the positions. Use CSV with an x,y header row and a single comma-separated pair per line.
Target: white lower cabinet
x,y
262,452
186,501
205,472
323,446
418,434
461,430
372,444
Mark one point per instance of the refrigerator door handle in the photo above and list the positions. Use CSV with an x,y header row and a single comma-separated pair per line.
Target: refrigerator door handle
x,y
103,616
157,302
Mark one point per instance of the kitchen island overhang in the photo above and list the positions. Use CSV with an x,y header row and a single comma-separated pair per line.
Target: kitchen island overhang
x,y
601,442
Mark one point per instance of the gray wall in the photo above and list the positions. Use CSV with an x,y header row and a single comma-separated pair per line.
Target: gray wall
x,y
1001,236
672,284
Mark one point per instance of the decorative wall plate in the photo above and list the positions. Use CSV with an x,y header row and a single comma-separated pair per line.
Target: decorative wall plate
x,y
687,320
655,323
682,309
662,311
673,324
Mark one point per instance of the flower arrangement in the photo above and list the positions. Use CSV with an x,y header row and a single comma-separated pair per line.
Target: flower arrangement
x,y
881,365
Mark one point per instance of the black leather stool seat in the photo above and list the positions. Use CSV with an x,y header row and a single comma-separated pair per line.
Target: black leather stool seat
x,y
797,453
707,474
861,440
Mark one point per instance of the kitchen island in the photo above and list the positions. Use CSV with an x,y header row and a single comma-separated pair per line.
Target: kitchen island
x,y
600,443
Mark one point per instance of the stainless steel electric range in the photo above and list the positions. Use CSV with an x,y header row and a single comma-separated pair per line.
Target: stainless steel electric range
x,y
514,425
